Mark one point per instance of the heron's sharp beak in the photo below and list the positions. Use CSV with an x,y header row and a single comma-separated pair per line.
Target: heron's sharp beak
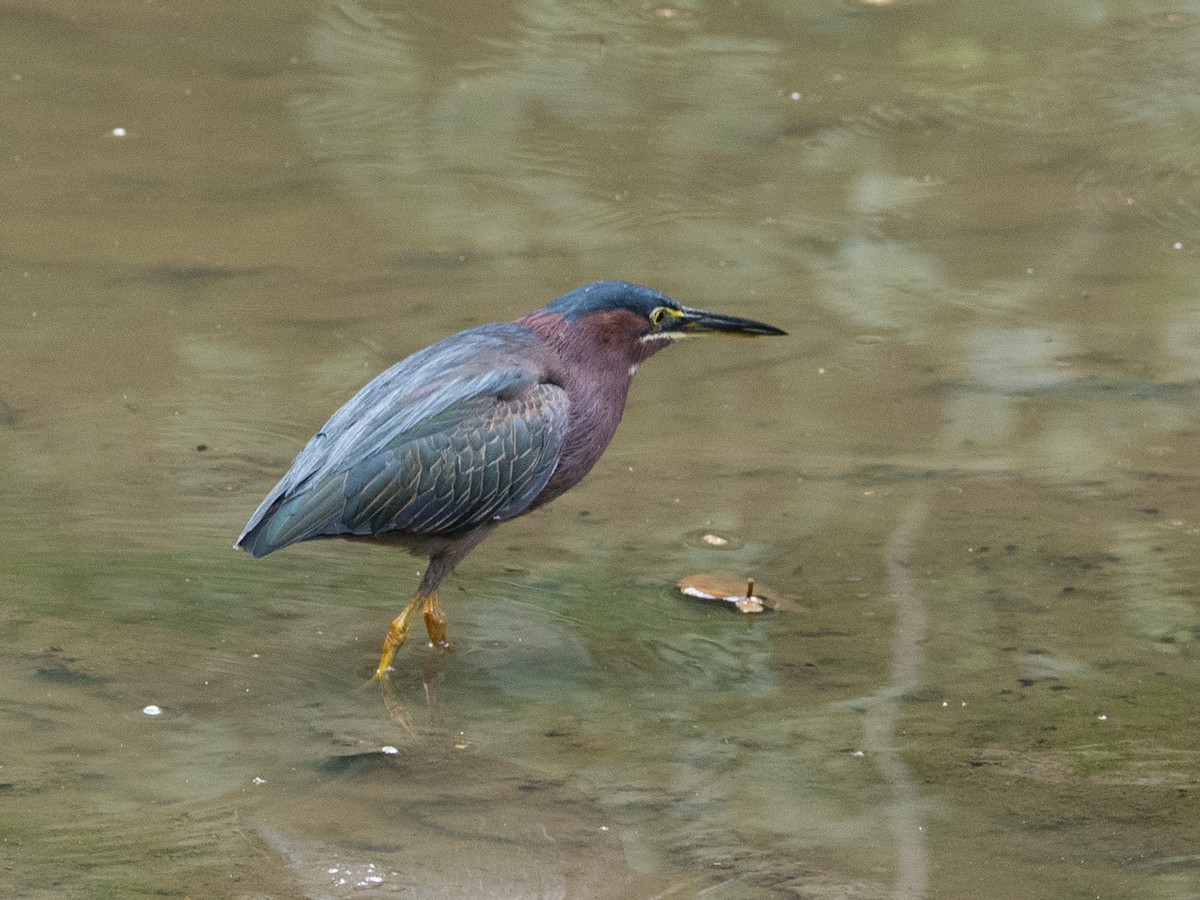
x,y
697,321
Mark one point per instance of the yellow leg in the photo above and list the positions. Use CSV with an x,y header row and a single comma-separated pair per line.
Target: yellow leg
x,y
397,633
435,622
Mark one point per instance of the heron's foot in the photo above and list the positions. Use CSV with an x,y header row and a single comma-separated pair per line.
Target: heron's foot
x,y
396,635
435,623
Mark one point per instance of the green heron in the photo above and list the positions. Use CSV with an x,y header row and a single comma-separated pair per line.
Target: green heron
x,y
479,428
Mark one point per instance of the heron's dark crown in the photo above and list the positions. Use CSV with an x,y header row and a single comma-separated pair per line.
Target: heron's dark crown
x,y
607,296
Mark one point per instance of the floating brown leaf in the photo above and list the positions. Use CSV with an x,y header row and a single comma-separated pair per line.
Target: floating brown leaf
x,y
743,593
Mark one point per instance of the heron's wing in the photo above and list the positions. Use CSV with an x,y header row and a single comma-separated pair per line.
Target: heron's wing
x,y
491,360
475,463
463,452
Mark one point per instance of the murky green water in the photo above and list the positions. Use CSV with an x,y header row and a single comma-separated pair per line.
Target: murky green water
x,y
973,464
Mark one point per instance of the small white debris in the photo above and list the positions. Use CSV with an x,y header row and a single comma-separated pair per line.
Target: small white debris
x,y
118,132
795,95
858,754
389,750
257,780
152,710
1178,245
1102,718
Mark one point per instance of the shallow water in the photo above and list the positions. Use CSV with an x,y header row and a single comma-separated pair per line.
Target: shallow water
x,y
971,467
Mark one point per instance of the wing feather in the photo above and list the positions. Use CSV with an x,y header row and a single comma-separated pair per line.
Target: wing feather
x,y
468,444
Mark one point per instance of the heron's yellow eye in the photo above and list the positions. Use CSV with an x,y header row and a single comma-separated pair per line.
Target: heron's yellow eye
x,y
661,314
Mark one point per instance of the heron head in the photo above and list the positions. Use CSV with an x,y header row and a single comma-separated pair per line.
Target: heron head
x,y
636,320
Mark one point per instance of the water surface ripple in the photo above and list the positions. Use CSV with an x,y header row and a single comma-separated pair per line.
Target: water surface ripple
x,y
971,468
